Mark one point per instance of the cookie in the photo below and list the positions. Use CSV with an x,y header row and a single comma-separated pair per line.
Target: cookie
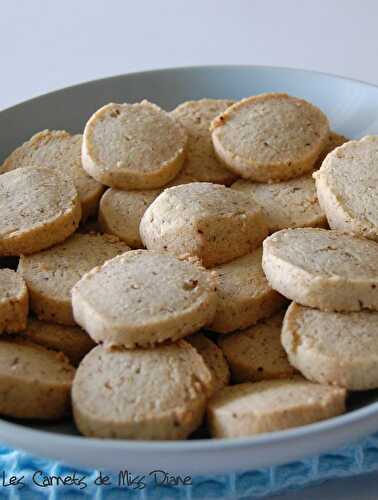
x,y
347,187
204,220
333,348
256,353
70,340
201,164
214,359
270,137
120,213
51,274
59,151
325,269
244,294
143,298
38,207
133,146
286,204
334,141
271,405
35,383
149,394
14,302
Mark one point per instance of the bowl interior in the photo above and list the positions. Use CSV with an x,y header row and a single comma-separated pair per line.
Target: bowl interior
x,y
351,106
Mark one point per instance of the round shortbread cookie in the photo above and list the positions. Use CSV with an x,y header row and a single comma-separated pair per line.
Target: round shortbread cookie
x,y
244,294
133,146
256,353
34,382
347,187
51,274
325,269
271,405
14,302
270,137
208,221
60,151
143,298
38,207
148,394
201,164
70,340
334,141
120,213
333,348
286,204
214,359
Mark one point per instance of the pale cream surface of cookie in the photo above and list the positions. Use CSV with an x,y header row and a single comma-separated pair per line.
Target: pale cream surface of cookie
x,y
244,294
60,151
143,298
256,353
145,394
271,405
201,164
214,359
120,213
204,220
71,340
325,269
270,137
38,207
286,204
35,383
347,187
333,348
51,274
133,146
14,302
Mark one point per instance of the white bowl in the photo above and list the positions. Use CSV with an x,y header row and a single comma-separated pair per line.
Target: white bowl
x,y
352,108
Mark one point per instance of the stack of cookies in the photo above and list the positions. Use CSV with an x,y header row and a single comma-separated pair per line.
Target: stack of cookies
x,y
156,254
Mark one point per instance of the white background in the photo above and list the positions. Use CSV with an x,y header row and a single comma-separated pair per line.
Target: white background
x,y
45,45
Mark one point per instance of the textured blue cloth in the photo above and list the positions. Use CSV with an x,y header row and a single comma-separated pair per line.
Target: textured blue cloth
x,y
351,460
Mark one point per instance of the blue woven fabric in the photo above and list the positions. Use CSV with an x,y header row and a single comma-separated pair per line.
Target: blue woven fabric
x,y
351,460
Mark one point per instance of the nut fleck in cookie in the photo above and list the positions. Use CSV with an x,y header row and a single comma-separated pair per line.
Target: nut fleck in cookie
x,y
34,382
70,340
38,207
51,274
214,359
204,220
133,146
270,137
325,269
143,298
256,353
347,186
244,294
60,151
286,204
333,348
14,302
201,164
121,212
271,405
141,394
